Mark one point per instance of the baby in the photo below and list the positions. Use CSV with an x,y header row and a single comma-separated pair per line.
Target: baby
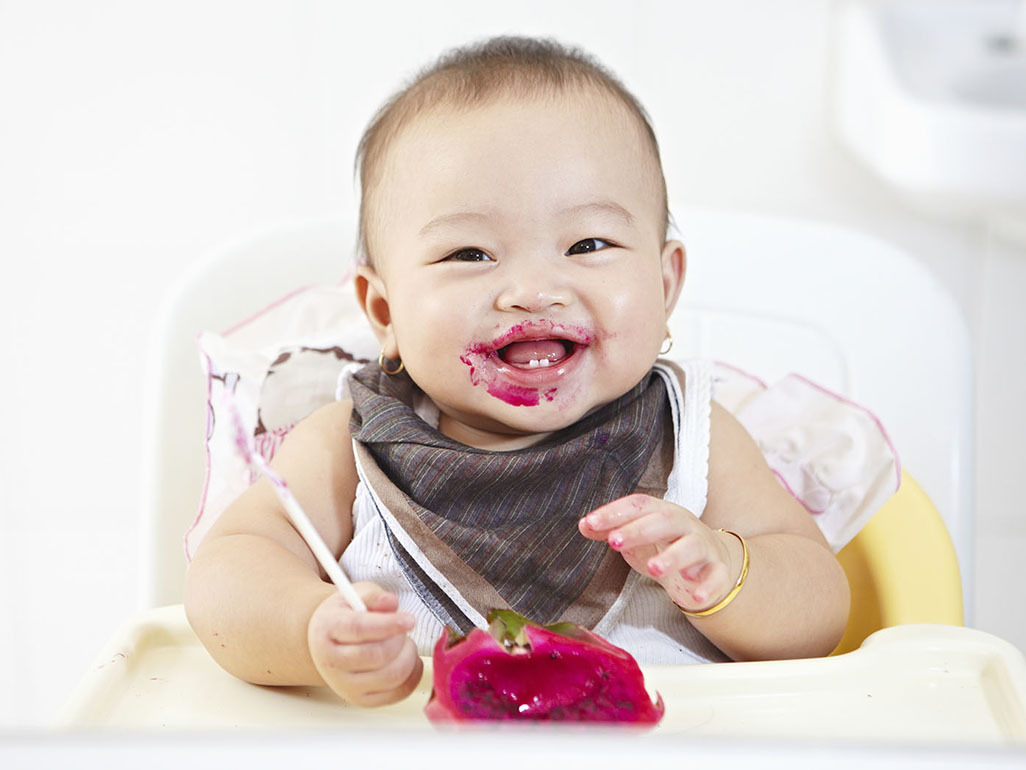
x,y
517,444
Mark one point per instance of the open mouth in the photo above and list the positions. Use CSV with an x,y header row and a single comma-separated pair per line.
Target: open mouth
x,y
526,363
536,353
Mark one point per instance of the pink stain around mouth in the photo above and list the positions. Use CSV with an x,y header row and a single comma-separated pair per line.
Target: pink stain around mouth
x,y
467,359
478,356
514,395
538,330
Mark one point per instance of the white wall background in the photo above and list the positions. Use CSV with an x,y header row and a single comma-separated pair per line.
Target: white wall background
x,y
135,137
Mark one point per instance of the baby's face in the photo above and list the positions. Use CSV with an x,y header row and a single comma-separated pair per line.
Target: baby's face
x,y
521,271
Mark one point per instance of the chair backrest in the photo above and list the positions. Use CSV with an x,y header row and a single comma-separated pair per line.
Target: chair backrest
x,y
223,288
770,295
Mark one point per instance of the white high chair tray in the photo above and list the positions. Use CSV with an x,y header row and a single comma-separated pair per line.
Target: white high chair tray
x,y
905,684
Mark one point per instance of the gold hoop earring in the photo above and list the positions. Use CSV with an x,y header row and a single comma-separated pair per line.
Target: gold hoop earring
x,y
389,372
667,343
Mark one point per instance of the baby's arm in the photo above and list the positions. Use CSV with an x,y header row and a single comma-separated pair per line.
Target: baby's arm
x,y
794,602
256,597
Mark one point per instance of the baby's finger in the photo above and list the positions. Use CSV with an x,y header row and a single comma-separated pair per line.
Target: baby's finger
x,y
366,656
334,621
374,597
615,514
377,598
394,681
685,556
592,534
371,627
662,524
699,586
712,584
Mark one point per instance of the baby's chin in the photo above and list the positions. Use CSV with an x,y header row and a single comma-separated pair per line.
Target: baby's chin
x,y
507,427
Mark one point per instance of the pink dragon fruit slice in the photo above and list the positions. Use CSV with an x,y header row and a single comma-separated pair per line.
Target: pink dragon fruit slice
x,y
518,670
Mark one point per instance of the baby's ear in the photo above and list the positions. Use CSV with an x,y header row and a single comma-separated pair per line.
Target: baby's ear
x,y
370,293
674,265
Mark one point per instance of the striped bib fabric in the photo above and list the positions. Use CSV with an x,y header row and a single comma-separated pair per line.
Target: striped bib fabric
x,y
503,525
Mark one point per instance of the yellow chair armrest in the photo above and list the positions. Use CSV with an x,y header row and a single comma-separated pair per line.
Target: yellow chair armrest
x,y
902,568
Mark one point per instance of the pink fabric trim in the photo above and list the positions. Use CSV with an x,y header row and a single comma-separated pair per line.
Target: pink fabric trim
x,y
743,373
267,444
794,494
873,417
206,471
280,301
207,365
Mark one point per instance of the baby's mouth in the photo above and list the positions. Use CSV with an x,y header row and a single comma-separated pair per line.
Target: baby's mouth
x,y
534,354
528,362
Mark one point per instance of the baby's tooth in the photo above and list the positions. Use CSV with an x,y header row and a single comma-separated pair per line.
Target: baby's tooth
x,y
544,362
533,363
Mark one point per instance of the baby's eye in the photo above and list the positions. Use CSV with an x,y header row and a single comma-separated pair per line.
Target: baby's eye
x,y
588,245
468,255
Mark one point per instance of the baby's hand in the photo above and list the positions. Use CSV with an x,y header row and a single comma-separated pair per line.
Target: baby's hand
x,y
365,657
691,561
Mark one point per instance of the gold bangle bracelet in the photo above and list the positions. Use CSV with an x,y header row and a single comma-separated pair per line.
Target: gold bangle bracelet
x,y
733,591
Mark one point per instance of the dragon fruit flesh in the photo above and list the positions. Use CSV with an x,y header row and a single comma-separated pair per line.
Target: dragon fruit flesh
x,y
518,670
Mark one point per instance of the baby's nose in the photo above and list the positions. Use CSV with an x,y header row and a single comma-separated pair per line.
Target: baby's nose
x,y
539,302
532,283
532,295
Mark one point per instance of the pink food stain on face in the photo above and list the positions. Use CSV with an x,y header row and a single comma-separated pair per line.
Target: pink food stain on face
x,y
537,329
477,355
514,395
466,359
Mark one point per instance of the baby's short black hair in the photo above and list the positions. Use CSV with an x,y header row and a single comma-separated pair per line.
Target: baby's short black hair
x,y
473,75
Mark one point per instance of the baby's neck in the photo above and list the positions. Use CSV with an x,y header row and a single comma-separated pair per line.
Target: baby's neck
x,y
490,440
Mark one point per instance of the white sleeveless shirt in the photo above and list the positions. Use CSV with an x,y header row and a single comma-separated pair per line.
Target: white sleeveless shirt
x,y
643,620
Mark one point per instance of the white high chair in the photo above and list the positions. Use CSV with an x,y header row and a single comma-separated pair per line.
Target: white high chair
x,y
769,295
